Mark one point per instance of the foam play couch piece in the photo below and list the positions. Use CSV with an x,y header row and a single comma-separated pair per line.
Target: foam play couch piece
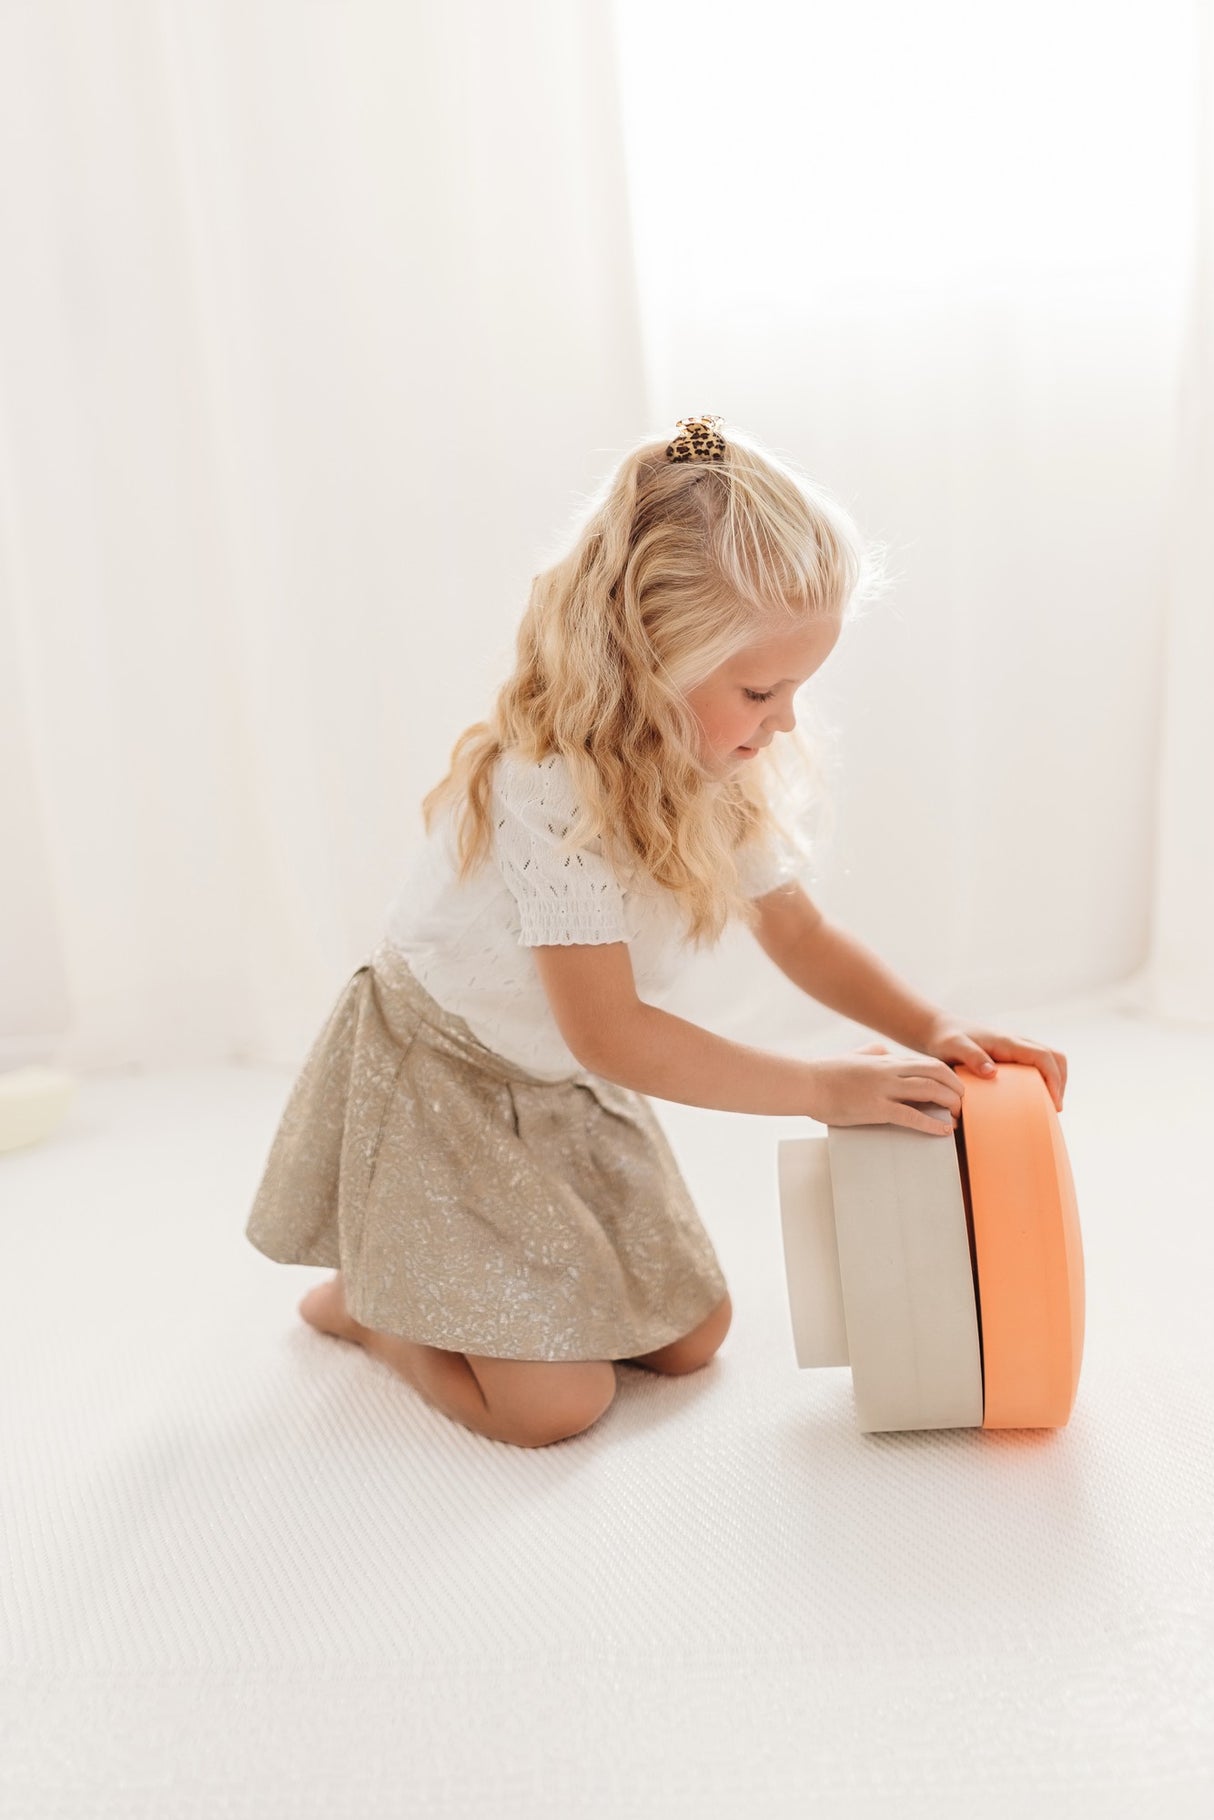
x,y
948,1274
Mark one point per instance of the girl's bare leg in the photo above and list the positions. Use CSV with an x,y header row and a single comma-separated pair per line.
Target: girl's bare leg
x,y
444,1379
530,1402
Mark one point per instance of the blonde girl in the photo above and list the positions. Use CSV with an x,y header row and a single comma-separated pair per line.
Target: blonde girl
x,y
470,1144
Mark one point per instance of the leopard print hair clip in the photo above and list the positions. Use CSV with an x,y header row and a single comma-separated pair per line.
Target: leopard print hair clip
x,y
701,440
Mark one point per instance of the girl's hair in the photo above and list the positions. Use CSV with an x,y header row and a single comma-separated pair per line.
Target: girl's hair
x,y
678,567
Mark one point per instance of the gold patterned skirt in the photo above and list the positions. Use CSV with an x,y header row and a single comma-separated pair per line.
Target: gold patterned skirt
x,y
470,1205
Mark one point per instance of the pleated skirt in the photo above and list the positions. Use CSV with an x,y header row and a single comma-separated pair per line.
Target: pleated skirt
x,y
470,1205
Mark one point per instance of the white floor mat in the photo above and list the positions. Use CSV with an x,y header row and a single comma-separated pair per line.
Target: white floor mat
x,y
249,1572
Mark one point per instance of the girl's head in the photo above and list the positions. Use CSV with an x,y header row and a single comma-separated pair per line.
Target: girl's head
x,y
748,699
695,600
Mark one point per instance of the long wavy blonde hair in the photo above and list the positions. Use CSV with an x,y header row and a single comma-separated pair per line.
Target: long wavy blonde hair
x,y
678,566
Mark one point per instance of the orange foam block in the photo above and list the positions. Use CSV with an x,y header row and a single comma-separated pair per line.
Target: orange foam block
x,y
1027,1246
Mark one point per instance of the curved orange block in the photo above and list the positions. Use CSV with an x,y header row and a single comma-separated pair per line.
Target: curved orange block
x,y
1027,1246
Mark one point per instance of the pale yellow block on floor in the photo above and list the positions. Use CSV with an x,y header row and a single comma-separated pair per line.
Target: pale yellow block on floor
x,y
33,1102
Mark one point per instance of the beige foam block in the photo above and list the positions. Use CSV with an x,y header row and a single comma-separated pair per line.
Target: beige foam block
x,y
811,1255
908,1285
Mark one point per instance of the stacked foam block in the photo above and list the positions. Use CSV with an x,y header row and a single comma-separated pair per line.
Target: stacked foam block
x,y
947,1274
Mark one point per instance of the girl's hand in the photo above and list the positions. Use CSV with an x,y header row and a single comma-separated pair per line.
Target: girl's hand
x,y
872,1087
974,1047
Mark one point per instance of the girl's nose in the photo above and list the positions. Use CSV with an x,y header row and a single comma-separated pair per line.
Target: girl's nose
x,y
781,722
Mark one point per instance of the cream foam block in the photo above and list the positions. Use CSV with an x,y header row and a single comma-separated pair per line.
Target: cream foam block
x,y
811,1253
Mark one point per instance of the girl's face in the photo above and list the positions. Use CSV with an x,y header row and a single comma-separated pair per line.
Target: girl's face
x,y
747,700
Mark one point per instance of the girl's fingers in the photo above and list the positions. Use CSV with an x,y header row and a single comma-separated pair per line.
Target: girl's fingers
x,y
926,1068
1046,1063
927,1087
920,1121
1050,1064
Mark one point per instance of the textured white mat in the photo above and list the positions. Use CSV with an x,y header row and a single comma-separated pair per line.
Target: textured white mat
x,y
249,1572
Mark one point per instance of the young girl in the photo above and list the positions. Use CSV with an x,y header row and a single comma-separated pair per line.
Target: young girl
x,y
469,1143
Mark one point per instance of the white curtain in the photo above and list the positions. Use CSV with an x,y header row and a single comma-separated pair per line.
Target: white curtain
x,y
319,323
950,257
1176,980
314,321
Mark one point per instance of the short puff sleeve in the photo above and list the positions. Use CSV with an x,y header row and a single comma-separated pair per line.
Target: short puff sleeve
x,y
562,897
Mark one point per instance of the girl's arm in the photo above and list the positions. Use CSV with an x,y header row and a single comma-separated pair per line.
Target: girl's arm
x,y
617,1035
839,971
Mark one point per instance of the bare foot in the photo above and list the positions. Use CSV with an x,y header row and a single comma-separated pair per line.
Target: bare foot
x,y
325,1309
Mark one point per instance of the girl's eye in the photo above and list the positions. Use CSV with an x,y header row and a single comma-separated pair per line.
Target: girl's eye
x,y
755,695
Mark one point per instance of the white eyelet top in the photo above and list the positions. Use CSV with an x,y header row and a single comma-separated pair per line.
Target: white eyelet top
x,y
467,943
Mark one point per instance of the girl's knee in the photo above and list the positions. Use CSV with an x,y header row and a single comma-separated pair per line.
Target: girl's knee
x,y
536,1402
694,1349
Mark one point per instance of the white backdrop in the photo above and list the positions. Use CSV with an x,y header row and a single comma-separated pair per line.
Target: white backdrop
x,y
317,326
